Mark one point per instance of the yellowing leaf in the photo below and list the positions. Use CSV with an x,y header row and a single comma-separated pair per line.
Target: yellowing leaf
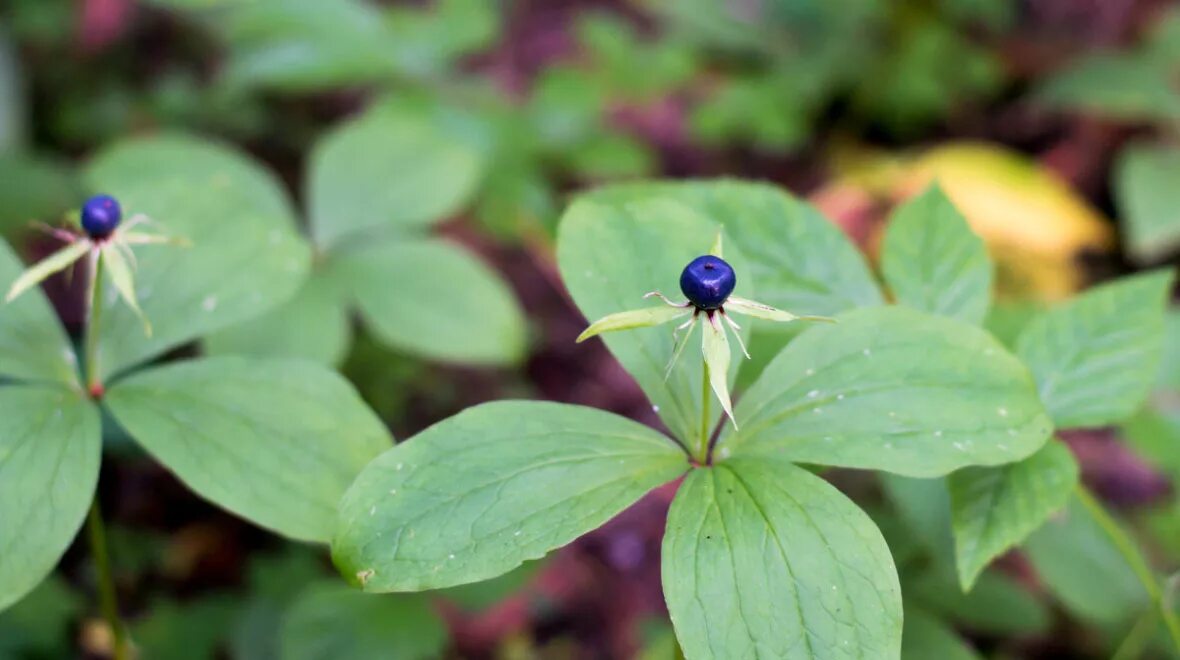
x,y
1034,224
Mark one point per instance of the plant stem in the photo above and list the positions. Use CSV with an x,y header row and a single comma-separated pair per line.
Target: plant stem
x,y
106,583
107,598
703,448
1130,552
93,320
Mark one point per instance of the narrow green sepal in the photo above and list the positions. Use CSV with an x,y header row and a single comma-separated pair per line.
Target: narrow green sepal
x,y
55,262
124,281
761,311
636,318
715,347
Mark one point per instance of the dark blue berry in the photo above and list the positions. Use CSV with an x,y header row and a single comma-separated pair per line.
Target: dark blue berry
x,y
100,216
707,281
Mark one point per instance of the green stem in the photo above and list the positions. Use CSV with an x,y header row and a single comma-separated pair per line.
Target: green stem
x,y
1130,552
702,455
94,319
106,583
107,597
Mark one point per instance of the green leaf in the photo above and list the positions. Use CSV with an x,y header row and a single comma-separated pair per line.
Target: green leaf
x,y
274,441
12,98
893,389
995,508
614,250
34,186
1126,87
996,605
186,629
1155,435
1095,357
33,343
40,625
797,259
1169,370
435,299
1077,562
388,169
487,594
764,559
1149,202
474,496
928,638
306,45
924,505
245,257
933,262
331,621
50,446
314,325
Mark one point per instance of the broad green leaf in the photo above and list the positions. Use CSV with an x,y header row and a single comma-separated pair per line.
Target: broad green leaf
x,y
435,299
274,581
1126,87
50,446
245,255
1095,357
996,605
764,559
613,250
928,638
12,98
1077,562
487,594
306,45
40,625
894,389
314,325
331,621
188,629
1006,319
1148,199
388,169
427,39
632,319
1169,370
34,187
933,262
924,505
33,343
474,496
274,441
797,259
995,508
1155,435
58,261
